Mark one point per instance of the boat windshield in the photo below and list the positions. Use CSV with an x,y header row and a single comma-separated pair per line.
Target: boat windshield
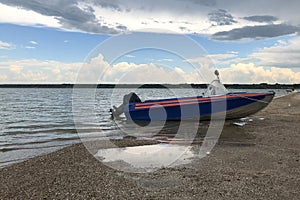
x,y
215,88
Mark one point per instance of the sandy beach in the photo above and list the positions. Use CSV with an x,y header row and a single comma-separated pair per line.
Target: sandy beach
x,y
262,163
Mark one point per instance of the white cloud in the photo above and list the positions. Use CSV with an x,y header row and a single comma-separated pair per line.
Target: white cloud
x,y
270,65
3,78
33,42
5,45
249,73
99,71
36,71
17,15
214,59
284,54
15,68
111,17
167,59
129,56
222,56
30,47
37,63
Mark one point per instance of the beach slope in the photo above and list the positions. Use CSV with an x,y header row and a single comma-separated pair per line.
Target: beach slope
x,y
267,168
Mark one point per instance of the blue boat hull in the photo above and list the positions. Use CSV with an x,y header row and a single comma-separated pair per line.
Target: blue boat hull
x,y
230,106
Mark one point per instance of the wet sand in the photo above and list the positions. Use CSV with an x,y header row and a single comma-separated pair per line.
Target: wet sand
x,y
262,162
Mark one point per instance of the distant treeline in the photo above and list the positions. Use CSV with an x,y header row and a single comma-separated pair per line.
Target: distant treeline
x,y
231,86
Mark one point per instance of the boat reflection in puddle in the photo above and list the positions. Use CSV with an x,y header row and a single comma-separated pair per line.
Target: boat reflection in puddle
x,y
146,158
176,147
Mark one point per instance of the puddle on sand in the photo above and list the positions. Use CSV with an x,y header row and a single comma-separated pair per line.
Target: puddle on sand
x,y
146,158
173,150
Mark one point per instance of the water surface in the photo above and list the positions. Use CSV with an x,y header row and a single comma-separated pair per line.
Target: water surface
x,y
35,121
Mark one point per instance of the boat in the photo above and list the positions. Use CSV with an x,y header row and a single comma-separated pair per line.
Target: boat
x,y
215,103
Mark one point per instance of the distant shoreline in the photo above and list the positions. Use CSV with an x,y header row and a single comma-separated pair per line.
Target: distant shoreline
x,y
231,86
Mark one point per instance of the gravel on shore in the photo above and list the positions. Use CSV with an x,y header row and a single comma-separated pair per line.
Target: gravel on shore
x,y
269,168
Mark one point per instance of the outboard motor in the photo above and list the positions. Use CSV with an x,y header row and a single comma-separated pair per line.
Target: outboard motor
x,y
128,98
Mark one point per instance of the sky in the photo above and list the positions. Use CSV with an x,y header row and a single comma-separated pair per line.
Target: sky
x,y
170,41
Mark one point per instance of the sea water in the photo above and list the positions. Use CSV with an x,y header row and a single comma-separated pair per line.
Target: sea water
x,y
36,121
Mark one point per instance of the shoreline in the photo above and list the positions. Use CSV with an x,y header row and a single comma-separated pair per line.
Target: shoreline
x,y
266,169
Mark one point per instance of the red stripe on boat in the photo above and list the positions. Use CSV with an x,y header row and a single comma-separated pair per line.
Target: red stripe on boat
x,y
189,101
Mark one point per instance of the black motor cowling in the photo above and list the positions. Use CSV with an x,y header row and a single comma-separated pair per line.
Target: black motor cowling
x,y
128,98
131,98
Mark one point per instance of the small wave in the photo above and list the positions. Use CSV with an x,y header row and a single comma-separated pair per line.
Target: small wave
x,y
55,130
33,147
38,141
